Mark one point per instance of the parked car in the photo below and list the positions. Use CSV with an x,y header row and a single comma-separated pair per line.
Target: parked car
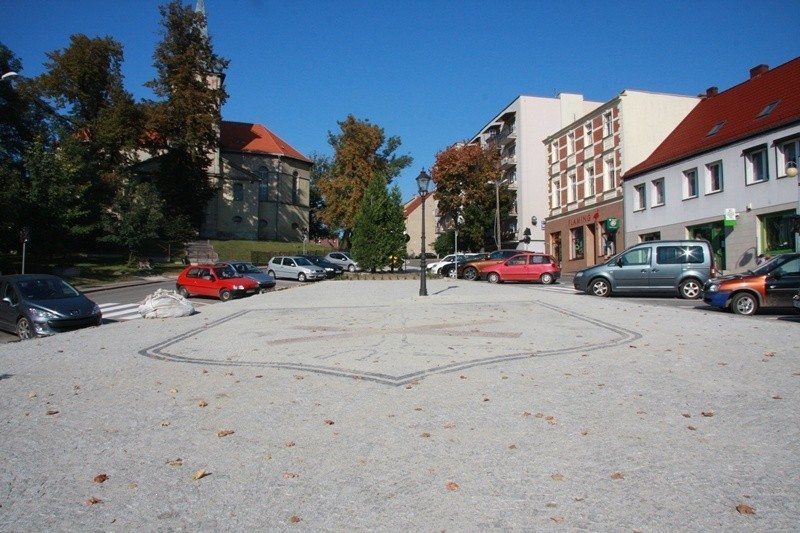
x,y
294,267
249,270
343,259
449,259
331,270
36,305
773,284
524,267
472,269
665,267
796,301
216,281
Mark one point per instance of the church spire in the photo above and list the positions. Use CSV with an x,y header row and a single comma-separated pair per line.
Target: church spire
x,y
201,8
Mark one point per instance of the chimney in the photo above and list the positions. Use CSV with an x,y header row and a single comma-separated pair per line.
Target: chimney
x,y
711,91
758,71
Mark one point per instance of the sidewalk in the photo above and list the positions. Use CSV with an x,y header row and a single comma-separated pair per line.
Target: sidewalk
x,y
355,406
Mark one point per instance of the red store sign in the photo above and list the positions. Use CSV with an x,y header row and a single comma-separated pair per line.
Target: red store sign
x,y
580,220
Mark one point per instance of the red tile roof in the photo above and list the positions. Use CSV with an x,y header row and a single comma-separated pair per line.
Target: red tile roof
x,y
737,109
245,137
414,203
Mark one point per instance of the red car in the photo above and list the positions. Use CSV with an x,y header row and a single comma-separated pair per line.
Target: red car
x,y
217,281
524,267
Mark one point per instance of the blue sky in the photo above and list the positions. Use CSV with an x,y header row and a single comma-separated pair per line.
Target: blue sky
x,y
431,72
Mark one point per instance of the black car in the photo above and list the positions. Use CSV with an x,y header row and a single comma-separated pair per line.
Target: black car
x,y
331,270
35,305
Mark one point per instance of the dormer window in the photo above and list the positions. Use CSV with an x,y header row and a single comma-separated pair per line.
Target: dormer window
x,y
715,129
767,110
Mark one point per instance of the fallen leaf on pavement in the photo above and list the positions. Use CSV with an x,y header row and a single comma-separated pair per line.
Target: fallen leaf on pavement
x,y
294,519
93,500
557,477
707,413
202,403
225,433
557,519
290,475
175,462
453,486
329,422
100,478
691,428
743,508
425,435
200,474
617,475
289,444
173,391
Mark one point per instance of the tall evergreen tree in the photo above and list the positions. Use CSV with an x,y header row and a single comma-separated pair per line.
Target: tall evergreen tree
x,y
379,227
361,153
186,120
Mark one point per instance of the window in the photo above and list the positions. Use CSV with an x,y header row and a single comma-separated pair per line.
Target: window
x,y
755,168
646,237
639,197
555,194
576,238
588,132
588,182
572,189
777,232
637,256
609,175
788,152
658,192
715,128
608,127
554,152
238,192
677,255
519,260
570,143
690,184
768,109
263,184
714,177
296,190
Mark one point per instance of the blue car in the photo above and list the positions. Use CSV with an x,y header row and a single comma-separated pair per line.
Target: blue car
x,y
249,270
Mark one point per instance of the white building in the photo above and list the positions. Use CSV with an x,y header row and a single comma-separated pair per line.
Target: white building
x,y
517,131
721,174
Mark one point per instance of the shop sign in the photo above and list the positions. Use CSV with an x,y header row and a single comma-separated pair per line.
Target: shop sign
x,y
730,217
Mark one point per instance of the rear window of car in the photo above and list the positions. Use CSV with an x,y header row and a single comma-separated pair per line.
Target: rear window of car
x,y
677,255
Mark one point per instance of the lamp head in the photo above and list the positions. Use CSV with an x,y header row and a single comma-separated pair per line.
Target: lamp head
x,y
423,181
791,169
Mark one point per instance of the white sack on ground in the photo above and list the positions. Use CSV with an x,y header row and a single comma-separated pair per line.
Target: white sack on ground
x,y
165,304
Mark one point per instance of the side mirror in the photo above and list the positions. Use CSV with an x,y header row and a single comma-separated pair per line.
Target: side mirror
x,y
619,262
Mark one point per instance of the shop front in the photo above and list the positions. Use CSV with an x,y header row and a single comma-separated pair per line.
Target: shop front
x,y
587,237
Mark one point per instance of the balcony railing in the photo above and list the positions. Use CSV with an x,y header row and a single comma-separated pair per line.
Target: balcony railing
x,y
508,161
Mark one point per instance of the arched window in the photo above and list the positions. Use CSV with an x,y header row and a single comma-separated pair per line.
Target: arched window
x,y
263,184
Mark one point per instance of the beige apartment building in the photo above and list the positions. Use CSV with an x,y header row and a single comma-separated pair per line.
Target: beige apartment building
x,y
584,164
412,212
517,132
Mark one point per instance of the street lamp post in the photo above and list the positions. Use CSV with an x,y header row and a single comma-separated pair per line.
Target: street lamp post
x,y
791,171
423,180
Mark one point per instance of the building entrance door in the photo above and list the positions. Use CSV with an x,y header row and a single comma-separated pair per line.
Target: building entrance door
x,y
714,233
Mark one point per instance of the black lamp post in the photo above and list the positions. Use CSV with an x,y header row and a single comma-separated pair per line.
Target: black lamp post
x,y
423,180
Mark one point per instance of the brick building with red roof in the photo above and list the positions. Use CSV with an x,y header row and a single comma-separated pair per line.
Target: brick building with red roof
x,y
722,172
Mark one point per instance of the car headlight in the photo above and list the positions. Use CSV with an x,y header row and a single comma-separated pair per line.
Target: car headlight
x,y
238,287
95,309
41,315
712,288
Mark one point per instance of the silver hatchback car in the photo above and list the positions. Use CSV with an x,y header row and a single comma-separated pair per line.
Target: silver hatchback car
x,y
294,267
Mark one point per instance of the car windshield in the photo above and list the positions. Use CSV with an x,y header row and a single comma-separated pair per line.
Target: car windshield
x,y
46,289
773,264
247,268
226,272
302,261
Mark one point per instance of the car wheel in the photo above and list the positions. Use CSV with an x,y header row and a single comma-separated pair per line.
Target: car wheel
x,y
600,287
453,273
225,295
744,304
690,289
547,278
272,273
493,277
301,277
24,329
471,274
351,268
183,291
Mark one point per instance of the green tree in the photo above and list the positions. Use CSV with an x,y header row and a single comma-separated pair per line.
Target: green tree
x,y
361,153
465,176
186,120
379,227
320,170
134,218
84,85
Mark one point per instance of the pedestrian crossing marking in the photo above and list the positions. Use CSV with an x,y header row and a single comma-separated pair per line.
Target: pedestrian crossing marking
x,y
120,311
